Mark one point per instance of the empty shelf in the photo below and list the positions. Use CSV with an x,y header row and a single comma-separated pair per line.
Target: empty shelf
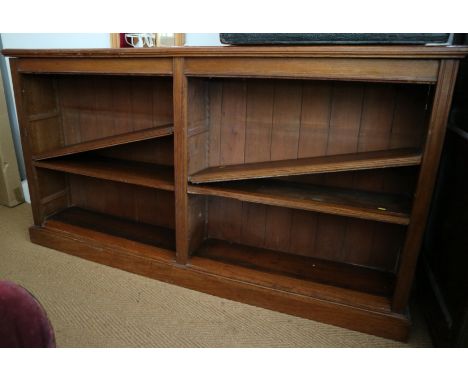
x,y
338,201
74,218
334,163
115,140
339,282
143,174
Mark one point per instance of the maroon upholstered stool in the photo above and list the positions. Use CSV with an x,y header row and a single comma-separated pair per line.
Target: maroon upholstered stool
x,y
23,321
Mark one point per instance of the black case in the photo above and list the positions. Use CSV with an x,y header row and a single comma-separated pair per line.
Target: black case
x,y
333,38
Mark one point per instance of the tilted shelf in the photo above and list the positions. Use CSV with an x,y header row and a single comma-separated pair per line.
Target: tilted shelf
x,y
333,163
376,206
142,174
101,143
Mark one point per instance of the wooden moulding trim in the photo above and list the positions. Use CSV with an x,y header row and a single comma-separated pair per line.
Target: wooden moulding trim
x,y
309,200
135,136
381,70
249,51
303,166
130,66
387,325
153,176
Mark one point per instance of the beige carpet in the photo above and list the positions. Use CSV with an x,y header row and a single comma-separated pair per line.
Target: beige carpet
x,y
91,305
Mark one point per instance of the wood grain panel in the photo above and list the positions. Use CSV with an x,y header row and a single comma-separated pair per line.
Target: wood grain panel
x,y
155,151
315,119
330,237
158,66
254,224
377,118
40,92
163,110
224,219
197,208
382,70
259,118
69,107
86,93
103,107
345,119
303,232
141,104
197,107
410,117
278,228
198,153
126,201
358,242
122,105
232,139
45,135
386,247
286,120
197,123
215,120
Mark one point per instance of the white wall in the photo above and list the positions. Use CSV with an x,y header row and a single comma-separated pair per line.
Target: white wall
x,y
202,39
55,40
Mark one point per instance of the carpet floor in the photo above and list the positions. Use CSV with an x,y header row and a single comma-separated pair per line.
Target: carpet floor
x,y
92,305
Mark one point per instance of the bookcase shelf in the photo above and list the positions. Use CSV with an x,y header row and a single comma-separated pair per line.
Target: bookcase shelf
x,y
338,201
333,163
89,221
298,274
134,136
296,179
142,174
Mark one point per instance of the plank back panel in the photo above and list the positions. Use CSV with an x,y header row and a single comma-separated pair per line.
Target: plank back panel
x,y
287,109
304,233
130,202
233,123
315,118
155,151
66,110
259,120
255,120
197,125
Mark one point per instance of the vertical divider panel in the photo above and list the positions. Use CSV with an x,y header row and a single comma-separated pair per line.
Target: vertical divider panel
x,y
31,171
180,96
427,176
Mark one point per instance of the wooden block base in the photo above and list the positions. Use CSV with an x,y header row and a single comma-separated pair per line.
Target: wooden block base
x,y
384,324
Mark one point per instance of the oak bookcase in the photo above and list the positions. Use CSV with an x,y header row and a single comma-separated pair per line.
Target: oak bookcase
x,y
292,178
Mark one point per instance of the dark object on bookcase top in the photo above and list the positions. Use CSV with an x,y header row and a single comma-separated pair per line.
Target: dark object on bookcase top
x,y
333,38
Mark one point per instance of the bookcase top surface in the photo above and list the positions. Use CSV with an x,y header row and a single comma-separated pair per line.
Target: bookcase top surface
x,y
344,51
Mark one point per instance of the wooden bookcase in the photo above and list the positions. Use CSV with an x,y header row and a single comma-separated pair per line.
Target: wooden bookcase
x,y
292,178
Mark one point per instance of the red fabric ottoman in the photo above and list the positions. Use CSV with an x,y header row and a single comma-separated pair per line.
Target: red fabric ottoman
x,y
23,321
